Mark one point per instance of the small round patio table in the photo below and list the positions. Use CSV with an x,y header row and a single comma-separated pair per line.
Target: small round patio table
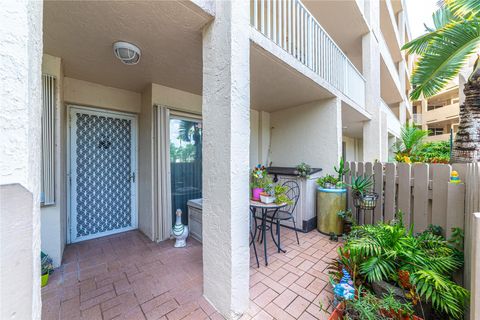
x,y
254,205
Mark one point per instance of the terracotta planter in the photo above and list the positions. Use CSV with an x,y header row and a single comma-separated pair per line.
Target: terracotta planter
x,y
337,314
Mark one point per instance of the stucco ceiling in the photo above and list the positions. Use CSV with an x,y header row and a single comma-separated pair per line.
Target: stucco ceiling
x,y
168,33
276,86
352,121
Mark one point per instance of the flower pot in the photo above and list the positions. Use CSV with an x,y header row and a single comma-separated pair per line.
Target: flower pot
x,y
44,279
266,198
347,227
337,314
256,193
329,203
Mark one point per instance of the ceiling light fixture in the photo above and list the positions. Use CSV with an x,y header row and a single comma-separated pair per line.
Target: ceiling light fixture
x,y
127,53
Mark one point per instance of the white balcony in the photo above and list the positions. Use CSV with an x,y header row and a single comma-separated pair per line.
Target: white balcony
x,y
417,118
290,25
393,124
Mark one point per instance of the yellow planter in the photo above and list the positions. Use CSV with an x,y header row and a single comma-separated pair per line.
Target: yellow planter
x,y
44,279
329,203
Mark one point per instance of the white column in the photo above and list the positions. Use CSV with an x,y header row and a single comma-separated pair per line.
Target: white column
x,y
20,100
226,119
372,129
372,135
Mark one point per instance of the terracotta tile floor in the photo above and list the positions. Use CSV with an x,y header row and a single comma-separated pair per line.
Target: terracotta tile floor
x,y
126,276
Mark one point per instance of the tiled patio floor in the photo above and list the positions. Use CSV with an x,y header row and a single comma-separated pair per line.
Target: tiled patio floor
x,y
127,276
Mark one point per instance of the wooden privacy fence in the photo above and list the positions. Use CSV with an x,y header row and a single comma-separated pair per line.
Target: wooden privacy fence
x,y
421,191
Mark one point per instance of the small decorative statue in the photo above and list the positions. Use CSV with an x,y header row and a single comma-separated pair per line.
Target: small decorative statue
x,y
454,178
179,231
344,290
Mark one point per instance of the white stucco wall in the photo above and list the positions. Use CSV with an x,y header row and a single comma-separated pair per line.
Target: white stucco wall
x,y
53,217
309,133
226,119
86,93
20,100
353,148
177,99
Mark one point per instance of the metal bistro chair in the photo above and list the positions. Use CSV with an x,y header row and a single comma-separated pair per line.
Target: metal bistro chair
x,y
285,213
252,242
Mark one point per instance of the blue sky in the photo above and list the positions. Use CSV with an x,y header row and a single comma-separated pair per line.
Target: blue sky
x,y
420,12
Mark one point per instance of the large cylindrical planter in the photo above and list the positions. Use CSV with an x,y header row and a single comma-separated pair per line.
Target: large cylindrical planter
x,y
329,203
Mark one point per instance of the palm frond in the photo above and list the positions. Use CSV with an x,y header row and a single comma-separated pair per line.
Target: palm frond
x,y
447,52
464,8
420,44
444,294
377,269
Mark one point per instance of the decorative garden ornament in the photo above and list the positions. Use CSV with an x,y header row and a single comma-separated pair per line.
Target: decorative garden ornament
x,y
180,231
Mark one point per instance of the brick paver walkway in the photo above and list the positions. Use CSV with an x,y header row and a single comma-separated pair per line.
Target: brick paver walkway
x,y
127,276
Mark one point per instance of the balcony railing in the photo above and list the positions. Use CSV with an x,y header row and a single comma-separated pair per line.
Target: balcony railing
x,y
417,118
291,26
393,124
448,112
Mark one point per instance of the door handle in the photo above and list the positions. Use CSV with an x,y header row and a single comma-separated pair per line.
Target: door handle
x,y
132,177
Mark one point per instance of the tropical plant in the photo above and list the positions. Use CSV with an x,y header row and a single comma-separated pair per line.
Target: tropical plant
x,y
457,238
411,138
341,170
384,252
434,152
328,181
346,215
361,184
367,306
280,195
304,170
442,52
46,263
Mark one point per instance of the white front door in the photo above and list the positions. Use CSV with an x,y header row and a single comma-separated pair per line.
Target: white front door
x,y
102,173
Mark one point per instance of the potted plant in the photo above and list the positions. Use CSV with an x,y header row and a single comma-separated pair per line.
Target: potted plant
x,y
303,170
329,182
341,170
348,220
361,193
259,181
331,198
47,267
281,196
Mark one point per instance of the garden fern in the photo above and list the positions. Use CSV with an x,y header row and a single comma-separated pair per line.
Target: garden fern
x,y
381,252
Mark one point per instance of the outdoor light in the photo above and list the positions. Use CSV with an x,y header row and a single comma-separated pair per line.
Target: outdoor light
x,y
127,52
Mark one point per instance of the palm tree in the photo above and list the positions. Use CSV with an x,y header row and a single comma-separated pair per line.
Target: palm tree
x,y
442,52
191,131
411,139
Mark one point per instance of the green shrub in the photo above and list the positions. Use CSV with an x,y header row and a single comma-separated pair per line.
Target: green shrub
x,y
435,152
421,264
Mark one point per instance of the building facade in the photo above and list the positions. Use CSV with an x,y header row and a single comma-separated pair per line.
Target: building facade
x,y
278,82
439,114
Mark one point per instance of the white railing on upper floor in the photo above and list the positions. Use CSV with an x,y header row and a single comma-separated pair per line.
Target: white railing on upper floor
x,y
393,124
417,118
291,26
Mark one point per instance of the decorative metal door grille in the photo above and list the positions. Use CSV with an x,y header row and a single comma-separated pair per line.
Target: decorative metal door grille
x,y
103,174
